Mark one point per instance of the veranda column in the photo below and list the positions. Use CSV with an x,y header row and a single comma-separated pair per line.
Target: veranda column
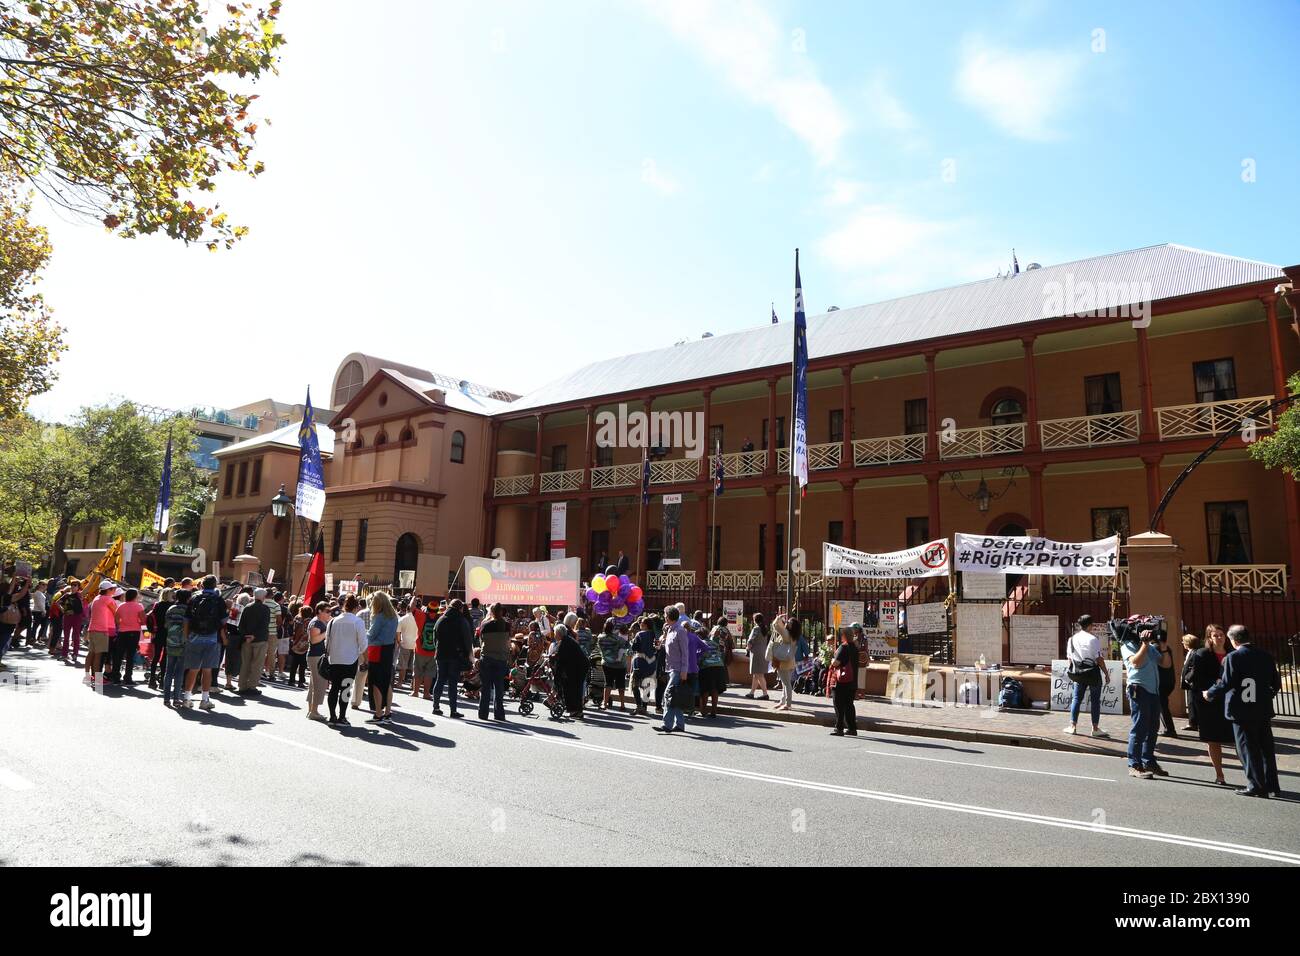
x,y
931,411
850,525
640,552
771,427
1289,487
846,399
1033,441
1148,426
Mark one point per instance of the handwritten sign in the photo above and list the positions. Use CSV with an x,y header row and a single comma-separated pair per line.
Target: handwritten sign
x,y
979,633
927,618
1035,638
1112,694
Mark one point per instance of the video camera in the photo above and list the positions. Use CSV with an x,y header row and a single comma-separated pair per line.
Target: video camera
x,y
1139,628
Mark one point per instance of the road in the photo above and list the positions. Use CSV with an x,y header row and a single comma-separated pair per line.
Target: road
x,y
115,778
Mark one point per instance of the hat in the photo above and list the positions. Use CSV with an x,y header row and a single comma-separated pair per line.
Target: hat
x,y
106,585
118,593
259,593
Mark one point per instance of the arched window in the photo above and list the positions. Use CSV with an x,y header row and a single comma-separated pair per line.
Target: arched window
x,y
381,438
407,434
458,447
359,442
1007,411
349,382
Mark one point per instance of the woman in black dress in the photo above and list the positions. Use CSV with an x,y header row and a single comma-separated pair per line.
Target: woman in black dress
x,y
1211,723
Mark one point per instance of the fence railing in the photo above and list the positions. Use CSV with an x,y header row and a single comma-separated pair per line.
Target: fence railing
x,y
570,480
659,580
1204,419
1089,431
740,464
984,441
675,471
1250,578
512,485
616,476
888,451
735,579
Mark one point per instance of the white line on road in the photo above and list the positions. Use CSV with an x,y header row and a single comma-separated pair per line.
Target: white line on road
x,y
987,766
325,753
1197,843
14,782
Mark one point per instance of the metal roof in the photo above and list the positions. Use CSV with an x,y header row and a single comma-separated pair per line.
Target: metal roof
x,y
473,398
286,437
1156,272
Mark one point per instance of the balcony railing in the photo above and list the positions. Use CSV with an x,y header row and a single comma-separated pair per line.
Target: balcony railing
x,y
512,485
1213,418
570,480
669,580
982,442
735,579
805,580
820,457
616,476
888,451
1255,578
1068,584
675,471
740,464
1089,431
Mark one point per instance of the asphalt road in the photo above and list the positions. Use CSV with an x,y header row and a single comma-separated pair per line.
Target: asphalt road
x,y
115,778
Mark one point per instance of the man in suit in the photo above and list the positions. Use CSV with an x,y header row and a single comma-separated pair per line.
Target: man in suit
x,y
1247,686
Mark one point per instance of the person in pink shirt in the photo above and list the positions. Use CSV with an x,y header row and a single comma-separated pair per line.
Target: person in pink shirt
x,y
102,629
130,622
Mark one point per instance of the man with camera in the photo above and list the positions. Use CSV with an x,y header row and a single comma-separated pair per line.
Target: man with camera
x,y
1140,652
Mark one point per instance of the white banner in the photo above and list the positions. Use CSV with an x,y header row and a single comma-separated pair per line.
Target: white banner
x,y
559,516
1112,694
928,561
1002,554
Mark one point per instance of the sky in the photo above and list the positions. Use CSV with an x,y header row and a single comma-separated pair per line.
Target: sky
x,y
504,191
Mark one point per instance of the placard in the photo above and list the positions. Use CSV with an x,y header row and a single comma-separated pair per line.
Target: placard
x,y
888,617
670,555
906,681
22,569
559,518
925,561
979,631
978,586
927,618
734,612
406,578
523,582
1035,638
1020,554
1112,694
329,582
431,574
844,613
349,587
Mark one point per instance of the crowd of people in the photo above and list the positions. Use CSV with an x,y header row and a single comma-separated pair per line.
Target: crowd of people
x,y
343,650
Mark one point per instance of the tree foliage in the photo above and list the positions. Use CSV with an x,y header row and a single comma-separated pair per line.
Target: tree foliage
x,y
30,341
1281,449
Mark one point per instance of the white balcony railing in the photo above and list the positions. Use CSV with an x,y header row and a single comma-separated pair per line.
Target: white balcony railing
x,y
570,480
888,451
1067,584
1090,431
820,457
616,476
512,485
1213,418
982,442
740,464
676,471
1254,578
805,580
669,580
735,579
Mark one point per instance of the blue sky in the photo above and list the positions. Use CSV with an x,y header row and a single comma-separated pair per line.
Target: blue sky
x,y
502,191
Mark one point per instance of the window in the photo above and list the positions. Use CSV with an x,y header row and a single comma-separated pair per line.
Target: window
x,y
255,486
1007,411
1101,394
349,383
235,543
916,416
1108,522
715,439
835,532
780,545
359,442
1227,527
242,485
381,438
458,447
780,433
222,532
1215,380
230,477
918,531
835,426
408,434
604,456
337,544
362,527
559,458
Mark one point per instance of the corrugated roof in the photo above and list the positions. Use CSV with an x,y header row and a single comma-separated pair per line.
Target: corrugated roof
x,y
1167,270
287,437
473,399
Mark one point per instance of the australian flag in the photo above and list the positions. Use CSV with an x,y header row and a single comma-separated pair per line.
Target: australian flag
x,y
799,373
645,478
774,321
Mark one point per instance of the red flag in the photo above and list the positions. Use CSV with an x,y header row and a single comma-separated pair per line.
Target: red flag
x,y
314,590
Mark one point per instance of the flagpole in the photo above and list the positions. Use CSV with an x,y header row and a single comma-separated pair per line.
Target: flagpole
x,y
794,399
640,520
713,521
157,531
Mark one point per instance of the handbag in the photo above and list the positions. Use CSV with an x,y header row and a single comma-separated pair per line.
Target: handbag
x,y
1083,672
10,615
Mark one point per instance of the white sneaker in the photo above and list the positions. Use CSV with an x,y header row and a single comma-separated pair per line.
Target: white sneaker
x,y
1069,729
1098,732
207,705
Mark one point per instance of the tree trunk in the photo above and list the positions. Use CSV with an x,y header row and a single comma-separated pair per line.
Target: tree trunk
x,y
60,560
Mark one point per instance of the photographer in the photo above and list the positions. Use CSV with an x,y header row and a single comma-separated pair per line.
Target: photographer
x,y
1140,650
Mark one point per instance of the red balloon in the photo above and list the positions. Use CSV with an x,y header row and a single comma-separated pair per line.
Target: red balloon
x,y
634,595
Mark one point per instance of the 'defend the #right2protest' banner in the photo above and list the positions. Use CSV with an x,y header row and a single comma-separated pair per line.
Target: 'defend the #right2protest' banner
x,y
1000,554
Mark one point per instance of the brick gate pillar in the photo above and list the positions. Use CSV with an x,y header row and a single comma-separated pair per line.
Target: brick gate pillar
x,y
1154,587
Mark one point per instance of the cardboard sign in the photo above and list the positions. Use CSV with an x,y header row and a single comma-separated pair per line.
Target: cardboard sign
x,y
979,632
1112,694
905,683
927,618
844,613
1035,638
983,587
734,611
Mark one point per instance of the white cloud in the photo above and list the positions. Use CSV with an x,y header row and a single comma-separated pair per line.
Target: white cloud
x,y
657,179
886,109
757,58
844,192
1023,92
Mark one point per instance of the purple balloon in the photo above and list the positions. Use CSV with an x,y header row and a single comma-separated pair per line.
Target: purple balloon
x,y
592,595
624,580
624,589
636,607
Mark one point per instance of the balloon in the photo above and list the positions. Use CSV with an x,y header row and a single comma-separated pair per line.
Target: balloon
x,y
624,579
624,590
598,583
617,600
620,612
635,608
602,607
591,595
634,594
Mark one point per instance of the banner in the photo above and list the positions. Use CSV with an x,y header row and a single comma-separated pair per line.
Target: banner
x,y
734,611
110,566
671,556
799,386
927,561
1035,638
309,498
979,634
559,515
1024,555
162,510
150,580
523,582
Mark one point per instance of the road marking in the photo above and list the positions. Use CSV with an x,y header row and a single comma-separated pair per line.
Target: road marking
x,y
987,766
323,752
1133,833
14,782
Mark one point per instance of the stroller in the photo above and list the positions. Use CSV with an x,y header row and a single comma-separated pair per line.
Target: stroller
x,y
596,679
541,684
471,682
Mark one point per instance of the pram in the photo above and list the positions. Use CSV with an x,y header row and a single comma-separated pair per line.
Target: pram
x,y
541,684
596,679
472,682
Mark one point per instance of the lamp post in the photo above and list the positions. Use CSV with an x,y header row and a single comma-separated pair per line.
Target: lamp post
x,y
282,507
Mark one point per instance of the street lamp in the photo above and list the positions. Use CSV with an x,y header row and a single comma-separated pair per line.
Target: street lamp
x,y
281,504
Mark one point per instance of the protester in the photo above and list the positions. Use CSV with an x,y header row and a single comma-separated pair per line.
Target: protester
x,y
129,621
1212,723
318,679
408,635
1087,672
103,628
171,635
644,663
426,658
157,622
713,667
277,640
40,615
842,683
1247,686
494,663
72,611
677,654
782,650
232,641
254,631
344,645
454,645
756,651
1140,653
381,640
204,615
571,669
299,644
614,649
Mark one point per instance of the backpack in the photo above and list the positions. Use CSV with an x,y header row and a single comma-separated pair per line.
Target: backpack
x,y
1012,694
429,643
207,612
72,603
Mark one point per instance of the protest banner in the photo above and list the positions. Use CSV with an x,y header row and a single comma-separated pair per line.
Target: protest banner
x,y
734,612
523,582
1021,554
926,561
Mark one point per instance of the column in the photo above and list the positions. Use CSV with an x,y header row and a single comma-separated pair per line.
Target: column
x,y
1154,588
1033,440
1289,488
588,459
702,560
771,427
850,526
588,559
1154,490
931,412
769,542
846,399
1036,497
1148,427
639,554
494,437
537,456
932,489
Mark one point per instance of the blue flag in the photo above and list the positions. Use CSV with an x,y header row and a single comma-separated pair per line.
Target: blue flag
x,y
717,472
774,313
645,478
799,375
309,500
163,511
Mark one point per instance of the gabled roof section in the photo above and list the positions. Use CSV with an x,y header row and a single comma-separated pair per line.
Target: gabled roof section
x,y
1158,272
286,437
